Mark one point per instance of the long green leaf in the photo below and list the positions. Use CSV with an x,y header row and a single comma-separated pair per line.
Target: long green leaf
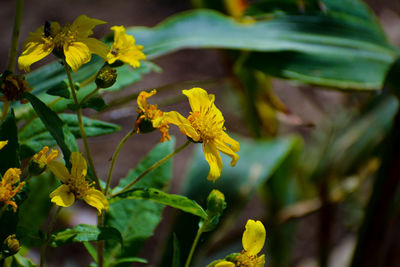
x,y
176,201
9,155
57,128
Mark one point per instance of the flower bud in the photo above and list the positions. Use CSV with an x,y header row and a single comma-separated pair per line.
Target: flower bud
x,y
106,77
215,203
11,245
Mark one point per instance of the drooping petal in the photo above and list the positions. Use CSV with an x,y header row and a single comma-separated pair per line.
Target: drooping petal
x,y
142,99
12,176
79,166
214,160
76,54
199,99
84,25
96,46
253,237
225,264
235,145
221,146
3,144
183,124
96,199
33,52
35,37
59,170
62,196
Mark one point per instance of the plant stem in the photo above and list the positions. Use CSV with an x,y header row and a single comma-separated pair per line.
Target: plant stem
x,y
15,35
196,240
154,166
43,251
100,244
88,96
114,158
82,129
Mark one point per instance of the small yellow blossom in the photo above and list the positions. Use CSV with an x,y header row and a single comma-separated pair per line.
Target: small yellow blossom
x,y
71,41
205,124
124,48
3,144
74,185
148,114
8,188
43,159
12,88
253,240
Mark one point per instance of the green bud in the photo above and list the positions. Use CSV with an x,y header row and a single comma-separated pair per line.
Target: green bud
x,y
106,77
215,203
11,245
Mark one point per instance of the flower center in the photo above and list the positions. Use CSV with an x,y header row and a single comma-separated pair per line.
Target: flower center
x,y
205,124
79,187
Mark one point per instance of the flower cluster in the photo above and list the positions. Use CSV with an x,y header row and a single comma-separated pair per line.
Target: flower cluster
x,y
10,185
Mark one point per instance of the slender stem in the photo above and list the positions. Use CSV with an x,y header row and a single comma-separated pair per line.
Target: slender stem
x,y
90,94
43,251
114,158
6,106
15,35
82,129
100,244
154,166
196,240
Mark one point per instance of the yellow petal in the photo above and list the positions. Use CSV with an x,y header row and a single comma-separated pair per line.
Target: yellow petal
x,y
253,237
260,262
62,196
76,54
12,176
235,145
33,52
35,37
59,170
199,99
132,56
96,199
214,160
183,124
52,156
221,146
96,46
121,39
84,25
142,99
3,144
79,166
224,264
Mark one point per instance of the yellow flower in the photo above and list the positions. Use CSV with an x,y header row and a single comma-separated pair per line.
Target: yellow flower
x,y
8,189
124,48
3,144
71,41
43,159
206,125
253,240
74,185
148,114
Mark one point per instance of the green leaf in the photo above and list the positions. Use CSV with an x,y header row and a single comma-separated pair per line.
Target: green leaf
x,y
35,135
334,46
85,233
57,128
61,89
97,103
172,200
137,219
129,260
9,155
176,257
18,261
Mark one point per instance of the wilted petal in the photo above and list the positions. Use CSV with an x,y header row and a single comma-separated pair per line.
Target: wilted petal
x,y
221,146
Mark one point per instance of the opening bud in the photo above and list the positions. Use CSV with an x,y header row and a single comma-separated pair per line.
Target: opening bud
x,y
11,245
215,203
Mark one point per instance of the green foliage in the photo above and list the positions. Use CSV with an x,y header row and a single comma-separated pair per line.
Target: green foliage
x,y
57,128
9,155
35,136
176,257
137,219
61,89
85,233
172,200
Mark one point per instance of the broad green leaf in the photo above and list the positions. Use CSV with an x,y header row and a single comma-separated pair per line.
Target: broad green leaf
x,y
9,155
85,233
172,200
57,128
61,89
18,261
35,135
334,46
137,219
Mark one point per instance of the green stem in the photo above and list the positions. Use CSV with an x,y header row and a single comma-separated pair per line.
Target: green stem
x,y
82,129
154,166
114,158
100,244
88,96
15,35
43,251
196,240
